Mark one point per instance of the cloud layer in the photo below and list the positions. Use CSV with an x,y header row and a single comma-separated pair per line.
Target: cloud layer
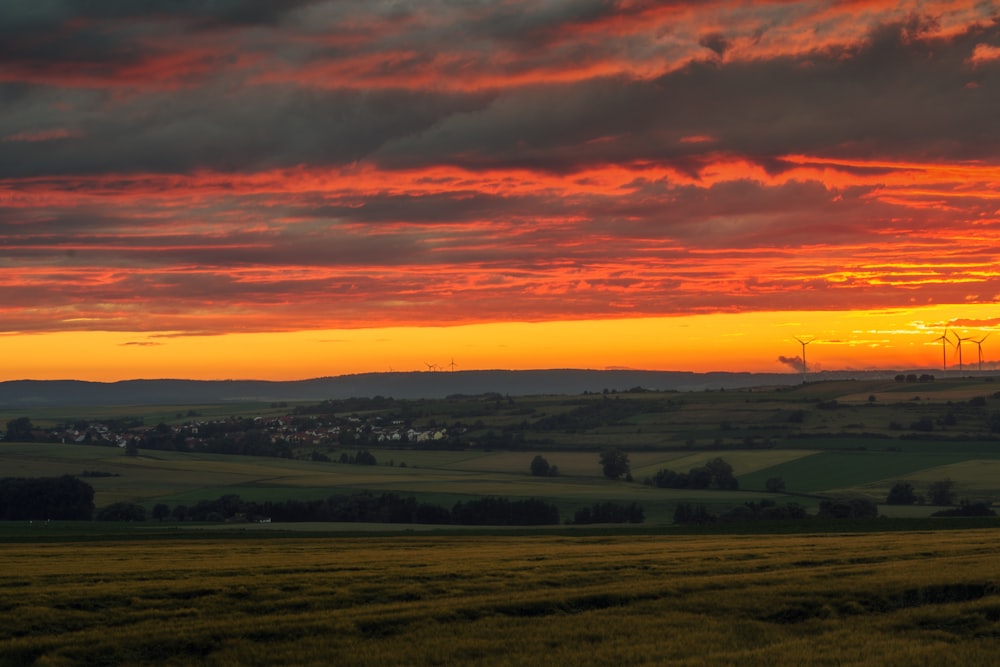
x,y
253,166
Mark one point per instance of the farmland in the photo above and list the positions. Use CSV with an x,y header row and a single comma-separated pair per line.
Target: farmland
x,y
823,439
904,590
173,598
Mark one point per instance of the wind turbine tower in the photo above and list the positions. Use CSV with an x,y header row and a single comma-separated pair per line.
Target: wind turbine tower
x,y
979,346
944,348
805,367
958,346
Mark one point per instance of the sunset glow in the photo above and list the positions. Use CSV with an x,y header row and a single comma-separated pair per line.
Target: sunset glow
x,y
290,190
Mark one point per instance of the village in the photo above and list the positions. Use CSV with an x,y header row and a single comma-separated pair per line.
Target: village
x,y
260,436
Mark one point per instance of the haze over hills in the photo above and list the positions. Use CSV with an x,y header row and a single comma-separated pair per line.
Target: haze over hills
x,y
408,385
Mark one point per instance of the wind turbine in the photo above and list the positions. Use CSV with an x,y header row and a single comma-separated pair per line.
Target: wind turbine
x,y
430,367
803,343
452,364
944,347
958,346
979,345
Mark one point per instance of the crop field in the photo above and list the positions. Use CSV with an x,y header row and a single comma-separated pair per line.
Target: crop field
x,y
438,477
177,598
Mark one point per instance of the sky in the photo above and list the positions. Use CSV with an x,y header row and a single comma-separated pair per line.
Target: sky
x,y
253,189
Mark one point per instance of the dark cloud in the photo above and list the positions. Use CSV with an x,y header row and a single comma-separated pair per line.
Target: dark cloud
x,y
716,42
897,92
206,161
40,15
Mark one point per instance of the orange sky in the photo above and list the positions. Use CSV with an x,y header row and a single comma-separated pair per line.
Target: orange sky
x,y
244,190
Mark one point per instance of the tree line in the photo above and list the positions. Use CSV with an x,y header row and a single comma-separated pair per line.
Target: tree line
x,y
716,474
766,510
57,498
349,508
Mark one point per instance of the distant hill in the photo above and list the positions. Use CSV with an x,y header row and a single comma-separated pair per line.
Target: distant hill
x,y
46,393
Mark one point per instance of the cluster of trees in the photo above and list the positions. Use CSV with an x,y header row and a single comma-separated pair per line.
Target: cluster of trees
x,y
491,511
765,510
361,458
234,436
913,377
941,492
966,508
716,474
542,468
20,430
609,512
687,513
358,507
122,512
847,508
331,407
58,498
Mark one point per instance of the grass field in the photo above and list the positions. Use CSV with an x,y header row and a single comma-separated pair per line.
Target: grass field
x,y
173,598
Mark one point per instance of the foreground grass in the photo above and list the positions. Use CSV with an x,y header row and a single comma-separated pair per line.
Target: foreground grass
x,y
875,598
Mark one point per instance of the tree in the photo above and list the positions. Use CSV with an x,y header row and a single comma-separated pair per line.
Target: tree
x,y
722,474
20,430
614,463
941,492
541,468
774,484
901,493
161,511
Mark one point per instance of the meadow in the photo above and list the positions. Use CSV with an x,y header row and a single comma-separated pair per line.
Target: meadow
x,y
174,597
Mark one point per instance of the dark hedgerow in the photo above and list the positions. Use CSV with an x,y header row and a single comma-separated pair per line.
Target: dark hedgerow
x,y
609,512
